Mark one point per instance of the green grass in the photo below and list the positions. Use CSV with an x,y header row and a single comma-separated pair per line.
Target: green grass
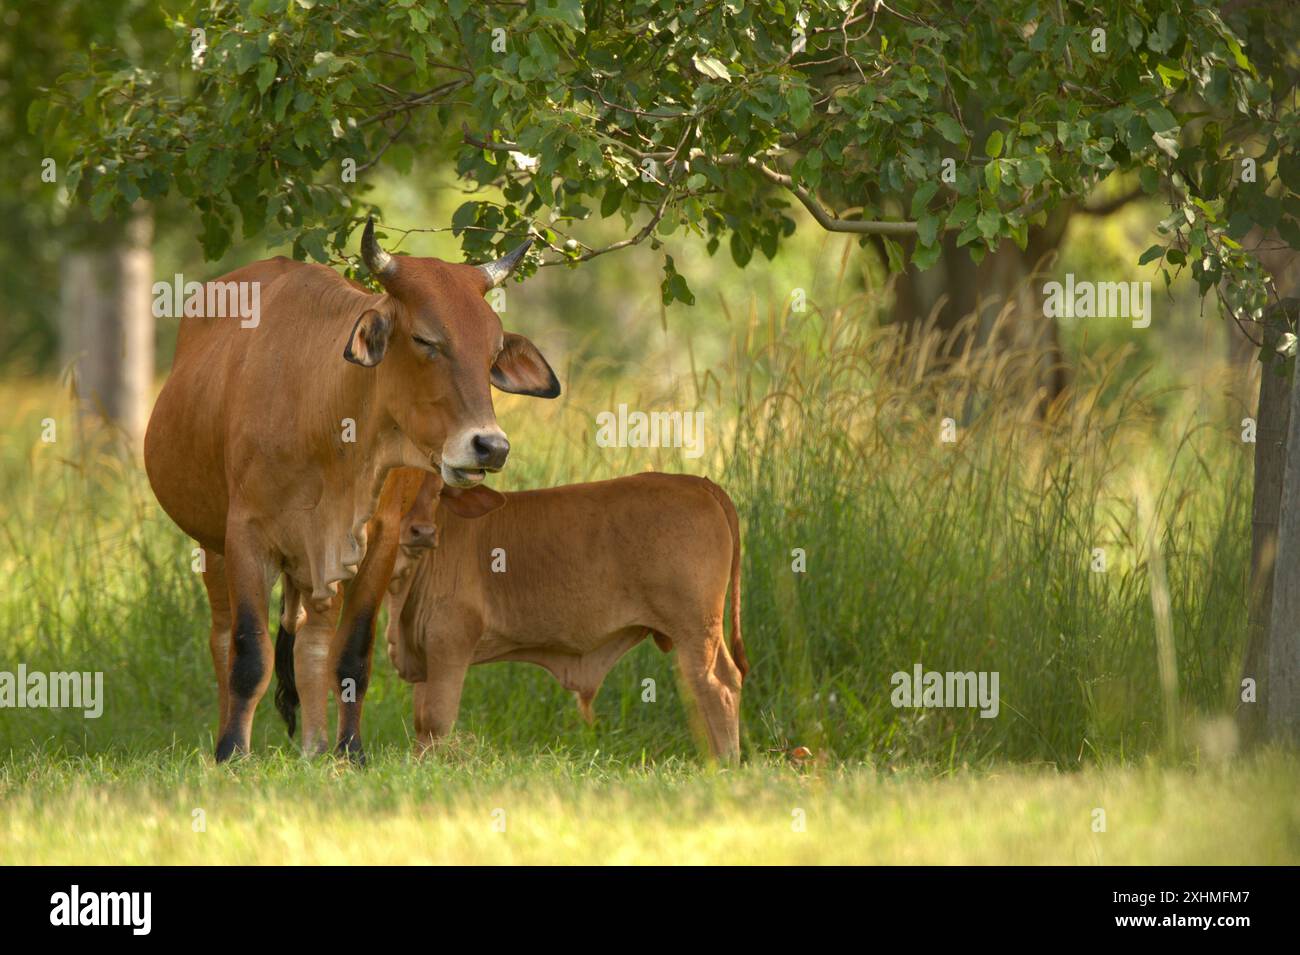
x,y
966,556
973,555
581,807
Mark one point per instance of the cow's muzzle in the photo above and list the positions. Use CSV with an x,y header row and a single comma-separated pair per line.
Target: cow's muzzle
x,y
462,477
473,455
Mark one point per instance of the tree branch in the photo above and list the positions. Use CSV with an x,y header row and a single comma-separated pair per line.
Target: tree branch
x,y
1114,204
827,220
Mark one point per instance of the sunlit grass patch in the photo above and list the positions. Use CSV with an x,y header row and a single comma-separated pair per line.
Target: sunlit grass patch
x,y
176,807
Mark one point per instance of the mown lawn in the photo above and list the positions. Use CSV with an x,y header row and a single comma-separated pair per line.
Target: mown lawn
x,y
578,808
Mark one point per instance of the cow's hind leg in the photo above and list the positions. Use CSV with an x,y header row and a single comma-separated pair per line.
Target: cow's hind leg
x,y
249,572
714,682
214,580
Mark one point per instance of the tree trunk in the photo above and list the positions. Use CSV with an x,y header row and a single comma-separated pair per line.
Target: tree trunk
x,y
1272,418
1282,264
107,327
1280,691
965,301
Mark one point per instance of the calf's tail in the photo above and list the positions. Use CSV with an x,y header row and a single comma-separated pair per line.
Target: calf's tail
x,y
733,522
286,688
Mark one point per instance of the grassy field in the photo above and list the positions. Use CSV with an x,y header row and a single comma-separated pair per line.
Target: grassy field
x,y
582,807
979,554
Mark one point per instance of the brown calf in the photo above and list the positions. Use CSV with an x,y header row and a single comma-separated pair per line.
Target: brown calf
x,y
570,578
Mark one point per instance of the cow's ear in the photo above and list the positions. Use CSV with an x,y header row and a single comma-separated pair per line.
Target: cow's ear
x,y
472,501
521,370
369,339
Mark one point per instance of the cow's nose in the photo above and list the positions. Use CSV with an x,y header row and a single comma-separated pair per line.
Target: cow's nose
x,y
420,536
491,449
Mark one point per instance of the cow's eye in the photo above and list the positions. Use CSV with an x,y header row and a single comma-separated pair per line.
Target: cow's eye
x,y
433,348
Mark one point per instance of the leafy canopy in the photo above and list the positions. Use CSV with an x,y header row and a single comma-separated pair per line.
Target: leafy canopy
x,y
711,117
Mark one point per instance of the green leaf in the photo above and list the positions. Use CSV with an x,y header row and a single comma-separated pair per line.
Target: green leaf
x,y
1160,119
921,198
612,200
799,102
1166,144
963,211
741,252
989,221
568,12
1164,36
993,145
266,74
924,256
246,54
1240,223
1151,254
711,67
927,230
673,288
894,255
949,129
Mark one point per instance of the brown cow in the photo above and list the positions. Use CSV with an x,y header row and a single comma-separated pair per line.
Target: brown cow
x,y
570,578
271,451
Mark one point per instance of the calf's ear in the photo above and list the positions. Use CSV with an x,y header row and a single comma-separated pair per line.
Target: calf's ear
x,y
472,501
521,370
369,339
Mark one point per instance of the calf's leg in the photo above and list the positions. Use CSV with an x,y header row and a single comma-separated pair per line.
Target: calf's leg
x,y
350,659
352,646
437,699
311,650
714,683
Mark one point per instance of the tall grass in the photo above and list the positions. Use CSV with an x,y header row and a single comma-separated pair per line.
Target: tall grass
x,y
969,555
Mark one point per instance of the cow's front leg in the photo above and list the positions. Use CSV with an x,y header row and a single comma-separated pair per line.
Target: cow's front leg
x,y
311,650
249,572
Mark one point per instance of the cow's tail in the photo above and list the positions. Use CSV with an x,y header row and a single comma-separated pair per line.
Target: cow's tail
x,y
286,689
733,522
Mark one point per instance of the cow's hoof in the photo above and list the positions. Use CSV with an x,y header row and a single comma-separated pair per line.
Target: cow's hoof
x,y
351,748
228,747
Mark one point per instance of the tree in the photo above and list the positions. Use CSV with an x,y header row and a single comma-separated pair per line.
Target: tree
x,y
964,124
99,284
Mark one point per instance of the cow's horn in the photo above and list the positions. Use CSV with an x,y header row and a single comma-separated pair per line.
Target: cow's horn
x,y
498,271
380,263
